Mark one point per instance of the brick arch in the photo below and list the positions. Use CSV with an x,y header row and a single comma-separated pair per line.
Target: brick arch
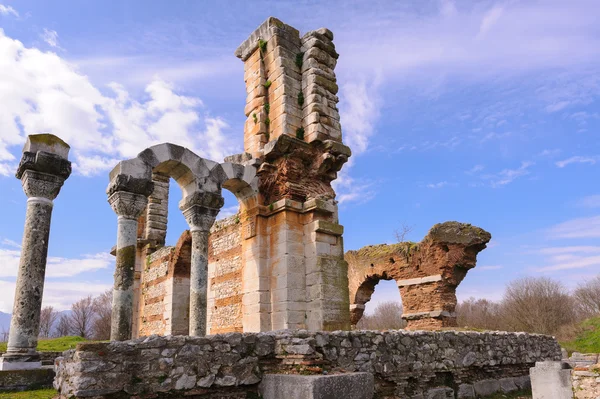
x,y
363,295
427,273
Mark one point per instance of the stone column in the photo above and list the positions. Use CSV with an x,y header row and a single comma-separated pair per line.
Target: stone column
x,y
128,197
43,169
200,211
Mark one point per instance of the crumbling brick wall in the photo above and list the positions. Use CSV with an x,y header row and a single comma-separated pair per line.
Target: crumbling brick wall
x,y
427,273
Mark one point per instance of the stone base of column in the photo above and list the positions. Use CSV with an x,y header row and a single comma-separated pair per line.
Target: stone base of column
x,y
20,361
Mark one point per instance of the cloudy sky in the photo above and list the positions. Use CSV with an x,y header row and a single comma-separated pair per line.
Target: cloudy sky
x,y
484,112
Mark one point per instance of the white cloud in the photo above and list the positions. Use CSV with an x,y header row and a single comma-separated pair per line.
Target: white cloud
x,y
587,227
353,190
51,37
507,176
438,185
228,211
591,201
359,112
490,19
475,169
59,294
56,266
41,92
571,257
8,10
577,159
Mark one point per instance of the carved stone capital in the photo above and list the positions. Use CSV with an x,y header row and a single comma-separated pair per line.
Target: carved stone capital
x,y
128,205
201,209
41,185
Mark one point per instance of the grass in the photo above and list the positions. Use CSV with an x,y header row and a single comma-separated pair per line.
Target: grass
x,y
52,345
588,338
38,394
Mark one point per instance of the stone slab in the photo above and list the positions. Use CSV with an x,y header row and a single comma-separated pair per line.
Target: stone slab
x,y
551,380
347,386
21,380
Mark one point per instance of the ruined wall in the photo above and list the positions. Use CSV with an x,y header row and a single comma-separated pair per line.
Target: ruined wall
x,y
427,273
225,276
405,364
165,290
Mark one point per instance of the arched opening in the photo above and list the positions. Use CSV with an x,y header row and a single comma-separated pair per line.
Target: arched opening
x,y
377,305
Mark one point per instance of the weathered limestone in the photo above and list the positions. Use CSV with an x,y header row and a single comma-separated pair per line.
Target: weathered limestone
x,y
289,386
128,196
551,380
404,364
427,273
200,211
43,169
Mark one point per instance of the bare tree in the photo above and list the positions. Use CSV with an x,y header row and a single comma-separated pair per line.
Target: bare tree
x,y
48,318
402,232
103,311
63,327
538,305
479,313
82,317
387,316
587,296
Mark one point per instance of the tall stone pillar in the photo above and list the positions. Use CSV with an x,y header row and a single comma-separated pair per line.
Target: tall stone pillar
x,y
200,211
128,197
293,127
43,169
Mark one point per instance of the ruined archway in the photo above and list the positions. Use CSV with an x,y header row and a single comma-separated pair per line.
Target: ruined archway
x,y
427,273
144,180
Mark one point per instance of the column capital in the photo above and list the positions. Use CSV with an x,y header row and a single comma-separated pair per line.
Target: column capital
x,y
44,166
200,210
128,205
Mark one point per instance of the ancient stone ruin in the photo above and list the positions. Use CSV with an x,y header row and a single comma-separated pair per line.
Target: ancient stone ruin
x,y
427,273
262,302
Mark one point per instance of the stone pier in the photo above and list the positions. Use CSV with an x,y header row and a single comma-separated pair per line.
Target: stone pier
x,y
128,196
200,211
43,169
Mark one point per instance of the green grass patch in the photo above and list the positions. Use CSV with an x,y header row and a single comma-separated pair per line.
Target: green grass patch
x,y
53,344
38,394
588,338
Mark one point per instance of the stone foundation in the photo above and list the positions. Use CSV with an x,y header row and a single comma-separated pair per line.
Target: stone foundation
x,y
404,364
25,380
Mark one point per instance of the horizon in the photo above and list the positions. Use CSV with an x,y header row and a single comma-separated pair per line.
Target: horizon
x,y
481,112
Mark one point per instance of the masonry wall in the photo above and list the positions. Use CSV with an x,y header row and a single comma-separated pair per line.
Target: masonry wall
x,y
405,364
225,276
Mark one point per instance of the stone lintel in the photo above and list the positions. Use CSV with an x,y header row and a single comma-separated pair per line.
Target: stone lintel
x,y
44,162
311,205
319,205
422,280
136,168
283,144
19,365
435,314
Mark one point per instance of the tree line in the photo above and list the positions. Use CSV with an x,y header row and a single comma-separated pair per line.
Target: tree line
x,y
89,318
532,304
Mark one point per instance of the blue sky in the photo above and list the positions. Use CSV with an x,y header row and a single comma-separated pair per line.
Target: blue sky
x,y
484,112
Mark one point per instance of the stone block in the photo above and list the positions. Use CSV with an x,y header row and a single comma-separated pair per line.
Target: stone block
x,y
440,393
486,387
347,386
19,380
551,380
465,391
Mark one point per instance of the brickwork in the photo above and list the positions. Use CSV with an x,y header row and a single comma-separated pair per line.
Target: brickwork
x,y
225,276
427,273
